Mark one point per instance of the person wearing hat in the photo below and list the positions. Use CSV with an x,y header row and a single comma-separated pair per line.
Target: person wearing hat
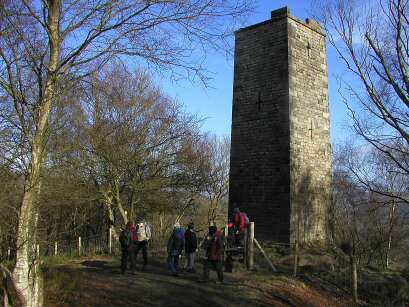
x,y
176,244
190,247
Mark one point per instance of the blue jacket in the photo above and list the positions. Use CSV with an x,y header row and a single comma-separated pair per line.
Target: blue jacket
x,y
176,242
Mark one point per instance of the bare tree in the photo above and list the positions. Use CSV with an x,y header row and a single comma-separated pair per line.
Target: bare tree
x,y
371,37
347,202
216,186
132,140
369,226
47,44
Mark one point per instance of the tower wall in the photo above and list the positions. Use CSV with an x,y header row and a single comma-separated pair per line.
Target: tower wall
x,y
280,99
310,147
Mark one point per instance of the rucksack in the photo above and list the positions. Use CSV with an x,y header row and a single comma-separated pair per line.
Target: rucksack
x,y
125,238
178,241
190,241
134,235
216,247
246,218
144,232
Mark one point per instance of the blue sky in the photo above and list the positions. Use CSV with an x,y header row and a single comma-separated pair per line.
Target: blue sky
x,y
214,103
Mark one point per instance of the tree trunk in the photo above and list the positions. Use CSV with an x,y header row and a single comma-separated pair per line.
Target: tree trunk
x,y
8,301
296,242
391,224
119,202
354,270
354,278
108,203
26,273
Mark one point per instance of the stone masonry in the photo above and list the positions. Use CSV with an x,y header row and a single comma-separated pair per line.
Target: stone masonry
x,y
280,168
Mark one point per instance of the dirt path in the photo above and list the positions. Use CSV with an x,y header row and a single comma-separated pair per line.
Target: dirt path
x,y
98,282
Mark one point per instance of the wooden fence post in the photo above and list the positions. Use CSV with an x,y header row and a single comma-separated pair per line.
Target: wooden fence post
x,y
226,237
245,233
55,248
296,257
38,251
110,240
251,247
79,246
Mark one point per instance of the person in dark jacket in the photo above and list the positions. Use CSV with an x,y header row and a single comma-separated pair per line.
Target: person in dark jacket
x,y
214,254
175,247
128,239
190,247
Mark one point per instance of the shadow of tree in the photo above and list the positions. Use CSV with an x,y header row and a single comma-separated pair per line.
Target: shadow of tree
x,y
310,200
102,285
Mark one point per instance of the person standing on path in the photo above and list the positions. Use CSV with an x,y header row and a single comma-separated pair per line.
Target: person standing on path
x,y
128,239
144,235
190,247
175,247
214,254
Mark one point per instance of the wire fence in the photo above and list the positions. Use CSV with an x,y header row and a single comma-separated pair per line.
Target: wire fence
x,y
72,247
107,244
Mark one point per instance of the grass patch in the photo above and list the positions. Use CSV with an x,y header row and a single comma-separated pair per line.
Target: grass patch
x,y
52,261
61,286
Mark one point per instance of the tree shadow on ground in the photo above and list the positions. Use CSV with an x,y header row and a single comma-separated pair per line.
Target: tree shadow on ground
x,y
102,285
94,263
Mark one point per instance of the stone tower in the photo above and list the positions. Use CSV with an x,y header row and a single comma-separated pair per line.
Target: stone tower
x,y
280,168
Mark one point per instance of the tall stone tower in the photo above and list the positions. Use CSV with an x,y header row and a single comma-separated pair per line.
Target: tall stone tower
x,y
280,168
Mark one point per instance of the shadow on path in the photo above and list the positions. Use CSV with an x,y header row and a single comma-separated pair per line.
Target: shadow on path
x,y
98,282
94,263
101,284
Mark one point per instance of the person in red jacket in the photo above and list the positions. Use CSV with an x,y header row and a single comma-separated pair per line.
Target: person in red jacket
x,y
240,222
214,254
128,240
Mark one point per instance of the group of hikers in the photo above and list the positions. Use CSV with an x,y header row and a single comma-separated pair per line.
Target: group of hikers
x,y
135,237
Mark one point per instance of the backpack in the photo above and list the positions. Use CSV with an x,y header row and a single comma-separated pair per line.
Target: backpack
x,y
216,247
134,235
190,241
125,238
246,218
178,241
144,232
